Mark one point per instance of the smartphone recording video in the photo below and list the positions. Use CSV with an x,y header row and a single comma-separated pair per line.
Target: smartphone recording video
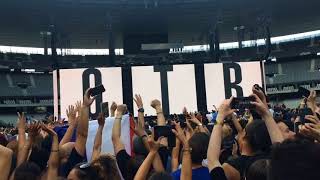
x,y
257,87
97,90
303,92
242,103
304,112
104,108
182,120
165,131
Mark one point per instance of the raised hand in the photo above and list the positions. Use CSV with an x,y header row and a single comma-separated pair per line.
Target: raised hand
x,y
260,107
101,119
198,116
189,131
194,119
87,100
21,125
225,110
73,121
138,101
71,113
185,111
121,109
21,121
179,133
138,129
34,130
24,148
145,166
78,107
314,130
154,145
155,104
53,162
310,130
113,109
260,94
113,106
48,130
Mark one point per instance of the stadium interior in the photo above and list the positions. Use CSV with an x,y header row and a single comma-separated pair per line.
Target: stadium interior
x,y
37,37
159,90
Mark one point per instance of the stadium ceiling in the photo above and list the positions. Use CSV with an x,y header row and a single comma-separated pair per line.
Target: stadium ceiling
x,y
84,22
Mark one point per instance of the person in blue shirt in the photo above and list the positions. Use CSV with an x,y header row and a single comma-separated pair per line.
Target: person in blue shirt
x,y
214,114
199,146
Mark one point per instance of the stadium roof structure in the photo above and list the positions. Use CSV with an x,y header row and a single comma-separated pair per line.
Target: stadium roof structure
x,y
85,22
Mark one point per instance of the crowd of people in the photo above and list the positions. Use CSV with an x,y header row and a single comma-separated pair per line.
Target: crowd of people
x,y
259,143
